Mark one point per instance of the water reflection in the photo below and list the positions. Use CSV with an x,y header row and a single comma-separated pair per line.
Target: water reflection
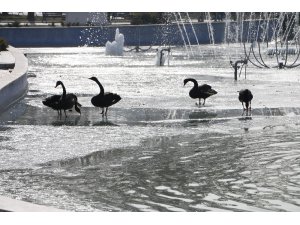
x,y
66,121
247,112
187,173
5,128
202,115
104,122
245,118
32,115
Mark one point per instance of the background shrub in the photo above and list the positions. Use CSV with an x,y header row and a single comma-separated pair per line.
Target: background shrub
x,y
146,18
3,44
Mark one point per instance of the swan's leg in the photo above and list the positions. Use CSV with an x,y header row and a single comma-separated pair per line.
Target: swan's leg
x,y
250,106
243,106
204,101
106,111
199,102
103,112
65,113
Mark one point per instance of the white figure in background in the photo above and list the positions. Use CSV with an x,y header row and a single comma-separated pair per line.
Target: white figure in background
x,y
161,56
115,47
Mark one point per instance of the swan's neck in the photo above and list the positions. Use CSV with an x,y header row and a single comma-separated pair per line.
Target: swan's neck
x,y
195,83
64,90
101,88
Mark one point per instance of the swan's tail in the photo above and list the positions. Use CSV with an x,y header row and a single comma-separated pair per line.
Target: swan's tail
x,y
116,98
212,92
46,103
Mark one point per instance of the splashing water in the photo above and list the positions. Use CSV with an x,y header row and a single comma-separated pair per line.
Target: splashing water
x,y
116,47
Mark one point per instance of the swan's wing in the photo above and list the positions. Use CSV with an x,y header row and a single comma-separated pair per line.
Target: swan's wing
x,y
204,87
112,97
52,100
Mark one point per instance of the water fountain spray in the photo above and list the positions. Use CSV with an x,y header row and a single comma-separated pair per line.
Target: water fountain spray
x,y
283,44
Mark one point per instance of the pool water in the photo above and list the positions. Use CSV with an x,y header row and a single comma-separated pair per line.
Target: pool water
x,y
156,150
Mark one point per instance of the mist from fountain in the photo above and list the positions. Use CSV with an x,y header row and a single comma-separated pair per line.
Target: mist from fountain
x,y
193,29
258,32
272,35
186,33
91,36
181,33
226,28
255,29
210,29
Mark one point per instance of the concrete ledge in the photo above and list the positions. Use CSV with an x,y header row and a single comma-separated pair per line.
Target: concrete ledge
x,y
14,85
7,61
12,205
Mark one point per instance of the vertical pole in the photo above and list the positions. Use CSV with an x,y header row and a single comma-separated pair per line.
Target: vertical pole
x,y
236,67
235,73
235,70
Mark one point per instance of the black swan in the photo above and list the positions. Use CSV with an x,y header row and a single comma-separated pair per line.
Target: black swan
x,y
62,102
104,99
54,103
246,96
202,91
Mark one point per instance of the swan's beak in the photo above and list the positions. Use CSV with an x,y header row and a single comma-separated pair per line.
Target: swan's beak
x,y
58,83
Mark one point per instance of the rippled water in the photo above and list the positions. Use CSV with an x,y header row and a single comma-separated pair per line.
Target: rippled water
x,y
156,151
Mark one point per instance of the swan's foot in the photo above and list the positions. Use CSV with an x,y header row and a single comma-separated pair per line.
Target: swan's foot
x,y
198,104
102,111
